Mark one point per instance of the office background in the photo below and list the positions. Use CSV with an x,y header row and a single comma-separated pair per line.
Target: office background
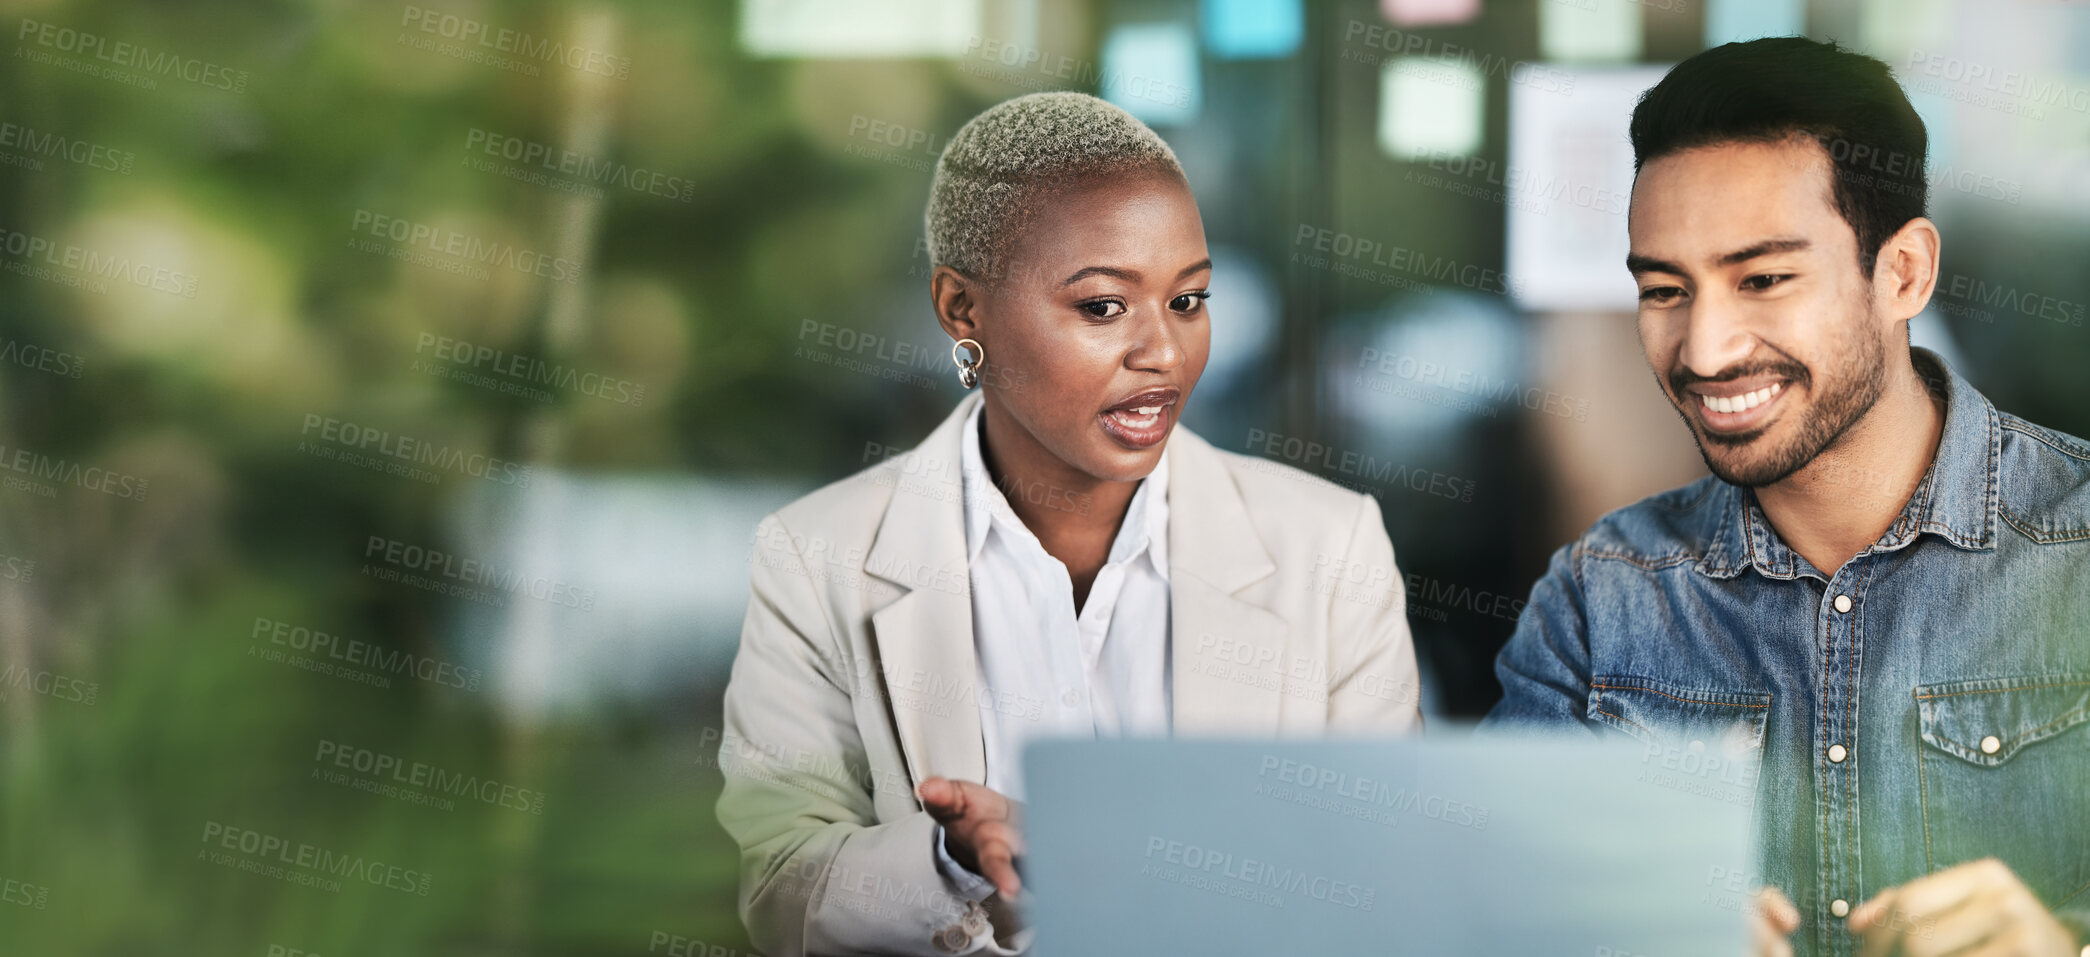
x,y
389,391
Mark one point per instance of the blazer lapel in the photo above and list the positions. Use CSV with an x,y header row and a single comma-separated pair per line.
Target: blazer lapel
x,y
1227,656
927,662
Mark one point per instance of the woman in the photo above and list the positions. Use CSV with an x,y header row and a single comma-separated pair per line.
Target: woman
x,y
1055,559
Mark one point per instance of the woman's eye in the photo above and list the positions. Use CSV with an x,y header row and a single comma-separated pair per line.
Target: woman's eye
x,y
1189,302
1660,294
1763,282
1104,308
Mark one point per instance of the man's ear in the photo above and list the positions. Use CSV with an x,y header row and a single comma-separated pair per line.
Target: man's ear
x,y
1906,272
956,301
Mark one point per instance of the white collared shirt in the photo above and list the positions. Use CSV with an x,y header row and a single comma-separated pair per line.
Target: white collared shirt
x,y
1045,672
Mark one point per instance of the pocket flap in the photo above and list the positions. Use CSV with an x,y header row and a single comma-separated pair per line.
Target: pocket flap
x,y
1988,720
1658,712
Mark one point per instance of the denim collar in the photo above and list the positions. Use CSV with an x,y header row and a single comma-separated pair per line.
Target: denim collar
x,y
1956,500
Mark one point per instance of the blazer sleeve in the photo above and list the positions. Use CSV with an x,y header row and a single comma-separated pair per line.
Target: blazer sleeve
x,y
819,873
1373,685
1544,669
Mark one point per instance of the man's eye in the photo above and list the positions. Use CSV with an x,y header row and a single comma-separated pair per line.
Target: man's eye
x,y
1104,308
1763,282
1189,302
1660,294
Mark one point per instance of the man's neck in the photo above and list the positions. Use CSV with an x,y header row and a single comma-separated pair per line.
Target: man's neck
x,y
1846,498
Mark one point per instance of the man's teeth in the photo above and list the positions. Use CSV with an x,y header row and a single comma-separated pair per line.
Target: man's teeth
x,y
1743,402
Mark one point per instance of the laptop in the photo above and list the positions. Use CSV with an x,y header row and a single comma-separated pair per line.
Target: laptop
x,y
1490,845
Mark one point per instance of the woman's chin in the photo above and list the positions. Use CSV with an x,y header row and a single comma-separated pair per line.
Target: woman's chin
x,y
1114,463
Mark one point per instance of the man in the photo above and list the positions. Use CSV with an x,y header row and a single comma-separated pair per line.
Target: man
x,y
1878,606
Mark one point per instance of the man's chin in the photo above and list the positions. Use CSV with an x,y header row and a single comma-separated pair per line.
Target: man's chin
x,y
1746,471
1744,458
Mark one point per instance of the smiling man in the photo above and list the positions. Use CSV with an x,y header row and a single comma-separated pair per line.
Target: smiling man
x,y
1876,610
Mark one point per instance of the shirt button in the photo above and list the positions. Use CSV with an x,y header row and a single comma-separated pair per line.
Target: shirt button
x,y
1840,907
1837,753
1991,744
1070,698
1843,603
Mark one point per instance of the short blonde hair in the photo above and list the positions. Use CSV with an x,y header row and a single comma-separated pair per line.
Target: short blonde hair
x,y
1003,162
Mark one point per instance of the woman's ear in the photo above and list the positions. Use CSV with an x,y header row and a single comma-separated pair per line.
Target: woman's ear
x,y
956,300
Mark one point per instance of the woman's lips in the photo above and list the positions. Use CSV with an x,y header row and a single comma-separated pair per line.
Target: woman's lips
x,y
1142,421
1741,412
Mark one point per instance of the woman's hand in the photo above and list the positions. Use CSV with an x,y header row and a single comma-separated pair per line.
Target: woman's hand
x,y
980,829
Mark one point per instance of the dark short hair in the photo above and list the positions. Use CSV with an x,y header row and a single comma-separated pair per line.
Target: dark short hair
x,y
1775,88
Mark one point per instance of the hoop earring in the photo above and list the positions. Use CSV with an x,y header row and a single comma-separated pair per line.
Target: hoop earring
x,y
968,364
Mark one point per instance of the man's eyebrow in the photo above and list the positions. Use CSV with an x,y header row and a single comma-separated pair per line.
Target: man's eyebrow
x,y
1765,248
1637,264
1113,271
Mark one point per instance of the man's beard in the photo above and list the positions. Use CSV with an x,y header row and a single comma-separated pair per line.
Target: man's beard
x,y
1840,397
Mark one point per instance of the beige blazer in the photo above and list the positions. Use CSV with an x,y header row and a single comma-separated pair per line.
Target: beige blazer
x,y
856,676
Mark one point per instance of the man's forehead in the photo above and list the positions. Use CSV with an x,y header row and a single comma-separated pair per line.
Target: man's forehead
x,y
1705,202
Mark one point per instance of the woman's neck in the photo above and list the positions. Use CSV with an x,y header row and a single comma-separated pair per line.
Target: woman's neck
x,y
1075,515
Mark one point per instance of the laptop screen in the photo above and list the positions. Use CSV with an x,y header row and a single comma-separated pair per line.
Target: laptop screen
x,y
1483,845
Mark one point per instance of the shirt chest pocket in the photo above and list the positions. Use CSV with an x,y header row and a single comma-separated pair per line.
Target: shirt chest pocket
x,y
2005,770
1704,742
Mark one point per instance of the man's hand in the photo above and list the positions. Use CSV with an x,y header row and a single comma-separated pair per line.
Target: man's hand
x,y
980,829
1772,919
1979,908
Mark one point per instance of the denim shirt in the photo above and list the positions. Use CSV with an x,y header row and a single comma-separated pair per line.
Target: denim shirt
x,y
1925,705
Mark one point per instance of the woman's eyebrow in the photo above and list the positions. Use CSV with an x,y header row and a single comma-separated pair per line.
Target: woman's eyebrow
x,y
1129,275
